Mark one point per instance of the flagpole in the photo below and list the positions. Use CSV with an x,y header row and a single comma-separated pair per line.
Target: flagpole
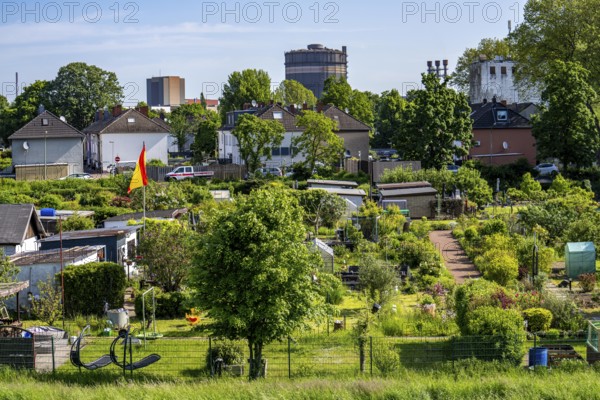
x,y
144,188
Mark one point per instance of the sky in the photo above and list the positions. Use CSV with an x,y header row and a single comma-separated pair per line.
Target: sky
x,y
389,42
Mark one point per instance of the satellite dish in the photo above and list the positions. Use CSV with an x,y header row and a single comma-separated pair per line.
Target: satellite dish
x,y
63,119
505,145
254,103
26,145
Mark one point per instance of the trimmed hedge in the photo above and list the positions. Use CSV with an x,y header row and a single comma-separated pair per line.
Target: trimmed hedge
x,y
169,305
88,286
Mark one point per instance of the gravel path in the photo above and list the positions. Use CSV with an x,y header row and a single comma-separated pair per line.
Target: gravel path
x,y
454,256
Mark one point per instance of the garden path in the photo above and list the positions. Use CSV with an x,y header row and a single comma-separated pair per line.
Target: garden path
x,y
455,259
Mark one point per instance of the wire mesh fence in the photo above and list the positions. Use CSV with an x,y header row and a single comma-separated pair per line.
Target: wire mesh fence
x,y
317,355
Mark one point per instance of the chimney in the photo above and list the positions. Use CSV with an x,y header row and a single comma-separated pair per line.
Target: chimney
x,y
143,110
106,114
305,106
344,49
437,68
245,106
319,107
271,102
429,67
445,64
292,109
97,116
117,110
503,102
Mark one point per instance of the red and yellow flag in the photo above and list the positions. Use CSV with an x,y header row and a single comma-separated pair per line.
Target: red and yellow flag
x,y
139,177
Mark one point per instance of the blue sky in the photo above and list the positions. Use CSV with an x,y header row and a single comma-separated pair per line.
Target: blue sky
x,y
389,42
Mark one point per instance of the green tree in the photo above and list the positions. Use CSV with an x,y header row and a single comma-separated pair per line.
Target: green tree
x,y
244,87
205,141
48,306
77,223
292,92
24,108
80,89
321,207
490,48
256,137
337,91
151,113
388,118
203,100
567,128
377,279
435,118
254,272
184,120
167,248
8,271
318,142
565,30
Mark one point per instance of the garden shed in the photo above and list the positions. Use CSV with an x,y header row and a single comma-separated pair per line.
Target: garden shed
x,y
580,258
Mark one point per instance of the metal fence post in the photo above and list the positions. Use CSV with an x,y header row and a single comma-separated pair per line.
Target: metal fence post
x,y
53,361
210,358
371,355
289,358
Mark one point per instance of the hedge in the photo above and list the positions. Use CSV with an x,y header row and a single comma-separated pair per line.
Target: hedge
x,y
88,286
169,305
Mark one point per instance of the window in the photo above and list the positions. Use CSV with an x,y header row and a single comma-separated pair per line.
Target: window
x,y
277,115
493,70
131,120
502,115
45,122
285,151
276,151
503,70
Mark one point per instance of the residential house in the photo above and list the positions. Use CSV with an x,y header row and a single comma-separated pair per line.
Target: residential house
x,y
47,147
120,243
39,266
501,135
354,133
20,228
122,133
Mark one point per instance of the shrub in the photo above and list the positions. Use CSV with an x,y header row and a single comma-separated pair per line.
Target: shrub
x,y
471,233
565,313
88,286
538,319
386,360
331,288
498,266
587,282
77,223
169,305
473,294
50,201
493,226
504,331
229,351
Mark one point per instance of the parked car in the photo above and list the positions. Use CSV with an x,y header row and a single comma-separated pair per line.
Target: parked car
x,y
453,168
76,176
265,171
187,172
545,169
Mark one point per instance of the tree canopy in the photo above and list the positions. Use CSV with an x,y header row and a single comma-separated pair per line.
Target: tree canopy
x,y
243,87
79,90
359,104
566,127
436,118
254,271
256,137
551,30
293,92
205,142
318,142
388,118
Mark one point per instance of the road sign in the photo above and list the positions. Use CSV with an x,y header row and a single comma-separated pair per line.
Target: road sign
x,y
117,159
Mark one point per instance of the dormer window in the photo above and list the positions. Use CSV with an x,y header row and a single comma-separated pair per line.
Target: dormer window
x,y
45,122
502,115
277,115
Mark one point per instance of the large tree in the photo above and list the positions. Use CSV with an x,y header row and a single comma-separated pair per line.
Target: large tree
x,y
318,142
254,272
292,92
256,137
167,248
321,207
566,30
205,141
244,87
566,127
183,121
490,48
435,120
359,104
79,90
388,118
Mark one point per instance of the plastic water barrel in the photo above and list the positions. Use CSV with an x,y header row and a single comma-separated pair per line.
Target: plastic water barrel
x,y
538,357
48,212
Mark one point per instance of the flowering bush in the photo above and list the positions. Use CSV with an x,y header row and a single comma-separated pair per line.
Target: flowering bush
x,y
587,282
525,300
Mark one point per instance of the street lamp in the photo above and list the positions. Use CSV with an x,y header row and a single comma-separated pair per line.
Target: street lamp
x,y
45,163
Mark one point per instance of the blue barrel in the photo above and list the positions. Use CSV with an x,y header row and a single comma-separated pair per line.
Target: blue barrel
x,y
538,356
47,212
